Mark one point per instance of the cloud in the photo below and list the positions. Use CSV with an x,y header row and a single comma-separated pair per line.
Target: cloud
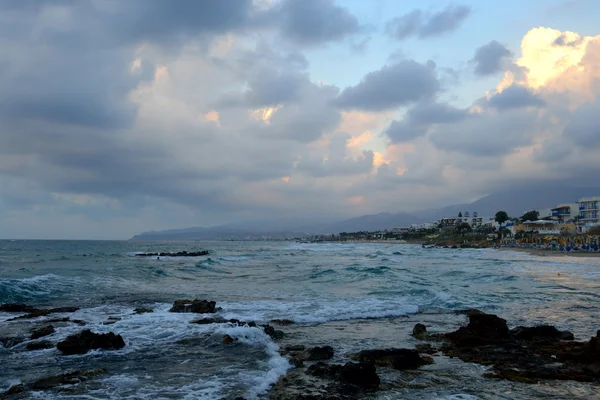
x,y
420,118
312,22
491,58
390,87
425,25
515,96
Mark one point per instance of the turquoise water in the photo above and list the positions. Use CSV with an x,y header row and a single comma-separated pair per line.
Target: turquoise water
x,y
351,296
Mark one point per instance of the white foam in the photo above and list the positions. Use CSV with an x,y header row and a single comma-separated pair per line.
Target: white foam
x,y
318,311
234,259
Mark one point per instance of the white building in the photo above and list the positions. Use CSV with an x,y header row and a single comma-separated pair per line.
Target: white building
x,y
589,212
565,212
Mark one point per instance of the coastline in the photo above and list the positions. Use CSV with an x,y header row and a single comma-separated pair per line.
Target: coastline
x,y
550,253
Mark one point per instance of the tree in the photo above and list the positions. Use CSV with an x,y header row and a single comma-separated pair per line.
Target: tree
x,y
464,228
532,215
501,217
460,214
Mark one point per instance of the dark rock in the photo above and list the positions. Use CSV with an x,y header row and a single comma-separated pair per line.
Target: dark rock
x,y
294,347
65,319
34,312
142,310
420,332
177,254
79,322
228,339
16,308
541,332
396,358
525,354
315,354
15,389
87,340
282,321
67,379
194,306
205,321
273,333
362,375
40,345
482,328
43,331
111,320
11,341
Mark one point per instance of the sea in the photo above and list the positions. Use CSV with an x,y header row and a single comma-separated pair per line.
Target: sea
x,y
351,296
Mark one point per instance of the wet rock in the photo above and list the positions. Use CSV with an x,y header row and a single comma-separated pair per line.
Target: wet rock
x,y
35,312
11,341
79,322
71,378
39,345
362,375
541,332
15,389
395,358
273,333
87,340
205,321
16,308
194,306
294,348
177,254
420,332
142,310
43,331
282,322
314,354
524,354
228,339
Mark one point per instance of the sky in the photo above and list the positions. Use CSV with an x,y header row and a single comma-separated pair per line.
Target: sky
x,y
119,117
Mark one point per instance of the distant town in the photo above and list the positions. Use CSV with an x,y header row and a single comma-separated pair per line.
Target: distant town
x,y
569,226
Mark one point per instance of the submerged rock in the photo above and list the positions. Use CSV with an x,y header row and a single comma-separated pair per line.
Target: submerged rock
x,y
362,375
206,321
11,341
313,354
16,307
395,358
35,312
15,389
228,339
541,332
66,379
142,310
87,340
194,306
43,331
282,321
39,345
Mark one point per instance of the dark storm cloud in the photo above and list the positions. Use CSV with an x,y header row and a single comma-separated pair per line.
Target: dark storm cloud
x,y
391,87
491,58
515,96
424,25
583,128
311,22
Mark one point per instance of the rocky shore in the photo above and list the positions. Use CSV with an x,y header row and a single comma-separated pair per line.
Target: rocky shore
x,y
527,355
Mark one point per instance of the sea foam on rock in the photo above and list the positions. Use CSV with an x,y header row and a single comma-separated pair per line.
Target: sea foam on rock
x,y
87,340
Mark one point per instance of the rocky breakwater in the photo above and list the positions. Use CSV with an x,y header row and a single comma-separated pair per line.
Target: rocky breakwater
x,y
523,354
177,254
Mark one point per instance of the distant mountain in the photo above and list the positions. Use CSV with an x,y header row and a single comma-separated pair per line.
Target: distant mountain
x,y
375,222
515,202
